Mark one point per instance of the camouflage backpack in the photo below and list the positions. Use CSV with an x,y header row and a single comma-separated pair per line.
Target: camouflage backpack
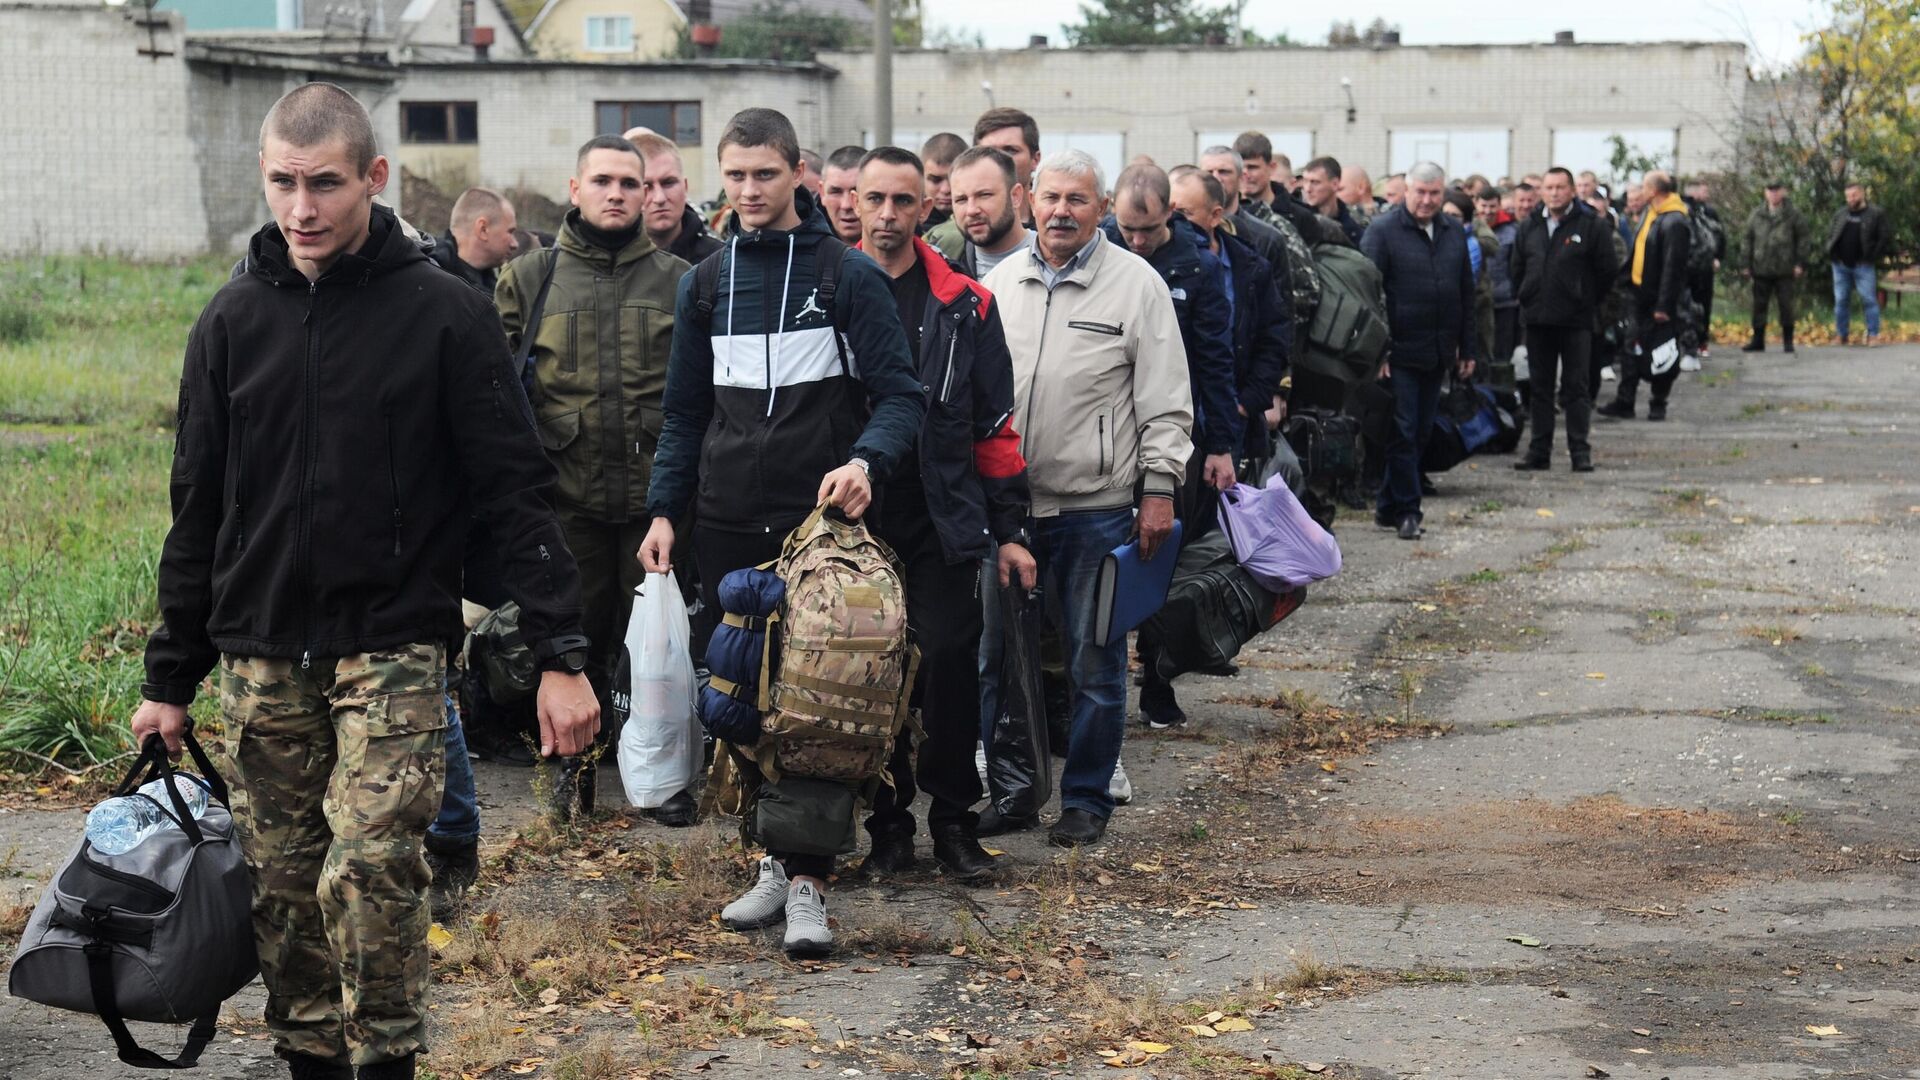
x,y
838,699
500,657
1303,279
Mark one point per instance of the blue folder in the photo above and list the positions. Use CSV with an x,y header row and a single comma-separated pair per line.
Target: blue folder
x,y
1130,589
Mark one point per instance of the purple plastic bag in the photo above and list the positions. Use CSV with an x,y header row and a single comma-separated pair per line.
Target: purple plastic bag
x,y
1273,538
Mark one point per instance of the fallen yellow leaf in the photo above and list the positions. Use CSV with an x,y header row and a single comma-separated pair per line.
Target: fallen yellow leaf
x,y
549,995
1822,1030
1213,1017
654,979
1149,1047
1427,607
1147,868
531,1064
437,936
1544,512
1201,1031
1234,1023
995,852
1328,766
1596,674
793,1023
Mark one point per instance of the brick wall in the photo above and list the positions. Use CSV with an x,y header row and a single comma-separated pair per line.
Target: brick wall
x,y
97,152
1159,99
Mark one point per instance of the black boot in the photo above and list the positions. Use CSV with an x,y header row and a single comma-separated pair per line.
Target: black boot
x,y
959,853
1656,410
306,1067
1786,340
455,864
1158,706
677,812
397,1069
892,853
1616,409
1757,343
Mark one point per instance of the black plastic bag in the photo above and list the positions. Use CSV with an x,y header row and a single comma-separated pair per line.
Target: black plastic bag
x,y
1019,758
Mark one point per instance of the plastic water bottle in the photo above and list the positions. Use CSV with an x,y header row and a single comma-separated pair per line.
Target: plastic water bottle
x,y
119,825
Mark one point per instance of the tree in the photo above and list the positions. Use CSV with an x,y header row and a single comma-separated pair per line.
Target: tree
x,y
776,30
1378,34
1842,113
1155,22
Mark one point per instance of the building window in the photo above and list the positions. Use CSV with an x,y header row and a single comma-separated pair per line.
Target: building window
x,y
677,120
1460,153
1592,149
439,122
609,33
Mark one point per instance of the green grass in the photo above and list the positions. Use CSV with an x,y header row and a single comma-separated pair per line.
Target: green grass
x,y
86,402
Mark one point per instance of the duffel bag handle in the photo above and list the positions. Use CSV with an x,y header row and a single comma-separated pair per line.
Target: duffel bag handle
x,y
154,762
107,1006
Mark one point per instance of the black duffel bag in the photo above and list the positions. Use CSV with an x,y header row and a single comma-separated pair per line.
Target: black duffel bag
x,y
1213,608
161,933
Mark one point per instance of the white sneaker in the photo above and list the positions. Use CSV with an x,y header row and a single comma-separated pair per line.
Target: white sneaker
x,y
1120,787
807,931
1609,373
1689,362
762,905
980,762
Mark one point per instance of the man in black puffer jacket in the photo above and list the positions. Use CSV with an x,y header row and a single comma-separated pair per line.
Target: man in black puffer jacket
x,y
344,404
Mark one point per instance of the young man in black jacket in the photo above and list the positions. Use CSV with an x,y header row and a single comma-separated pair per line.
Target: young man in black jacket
x,y
765,418
960,499
1562,268
1659,276
343,405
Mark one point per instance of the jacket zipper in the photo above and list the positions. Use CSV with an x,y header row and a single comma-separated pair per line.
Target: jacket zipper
x,y
546,560
1100,423
953,342
393,481
1039,351
240,488
304,542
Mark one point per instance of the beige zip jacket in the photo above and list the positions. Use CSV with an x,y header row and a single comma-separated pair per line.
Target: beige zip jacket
x,y
1101,396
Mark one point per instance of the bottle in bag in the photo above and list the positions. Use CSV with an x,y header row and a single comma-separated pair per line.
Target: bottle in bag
x,y
121,824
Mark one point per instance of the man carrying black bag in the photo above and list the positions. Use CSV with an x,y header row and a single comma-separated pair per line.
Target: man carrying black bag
x,y
344,405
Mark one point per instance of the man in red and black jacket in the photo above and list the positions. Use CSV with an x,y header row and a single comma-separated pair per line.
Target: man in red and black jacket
x,y
962,498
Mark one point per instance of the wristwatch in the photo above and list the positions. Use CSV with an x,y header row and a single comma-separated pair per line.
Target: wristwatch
x,y
864,467
568,654
573,662
1019,536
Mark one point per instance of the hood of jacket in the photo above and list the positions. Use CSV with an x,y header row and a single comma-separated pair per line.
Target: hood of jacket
x,y
574,242
387,248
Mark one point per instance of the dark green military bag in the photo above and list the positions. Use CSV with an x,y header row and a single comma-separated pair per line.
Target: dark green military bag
x,y
501,656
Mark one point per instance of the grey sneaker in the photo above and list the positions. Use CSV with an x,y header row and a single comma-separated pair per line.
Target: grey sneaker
x,y
807,931
1120,787
762,905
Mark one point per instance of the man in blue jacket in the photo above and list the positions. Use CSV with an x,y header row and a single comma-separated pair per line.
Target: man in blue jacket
x,y
762,406
1143,220
1423,261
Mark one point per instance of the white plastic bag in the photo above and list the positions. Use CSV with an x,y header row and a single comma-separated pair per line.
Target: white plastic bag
x,y
660,743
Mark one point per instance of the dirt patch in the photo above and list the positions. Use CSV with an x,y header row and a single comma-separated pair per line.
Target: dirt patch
x,y
1592,852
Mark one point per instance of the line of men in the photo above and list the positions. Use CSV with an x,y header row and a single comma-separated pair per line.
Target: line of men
x,y
1076,371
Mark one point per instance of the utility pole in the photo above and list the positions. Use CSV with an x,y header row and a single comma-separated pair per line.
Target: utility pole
x,y
882,72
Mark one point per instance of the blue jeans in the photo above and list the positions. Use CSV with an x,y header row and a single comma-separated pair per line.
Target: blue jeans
x,y
1848,280
1416,396
460,804
1069,549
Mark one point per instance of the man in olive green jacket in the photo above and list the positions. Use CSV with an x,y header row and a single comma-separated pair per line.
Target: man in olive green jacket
x,y
1776,253
599,369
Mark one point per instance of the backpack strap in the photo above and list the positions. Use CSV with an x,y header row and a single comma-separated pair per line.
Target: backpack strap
x,y
532,329
107,1005
830,255
706,286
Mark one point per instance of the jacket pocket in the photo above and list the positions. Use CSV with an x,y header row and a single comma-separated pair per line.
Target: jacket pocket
x,y
557,432
1109,329
1103,422
240,478
393,481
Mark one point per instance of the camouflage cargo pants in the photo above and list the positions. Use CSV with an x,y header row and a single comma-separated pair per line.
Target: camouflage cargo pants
x,y
338,771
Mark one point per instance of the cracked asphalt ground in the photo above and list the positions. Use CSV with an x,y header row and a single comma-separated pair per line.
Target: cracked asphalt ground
x,y
1610,775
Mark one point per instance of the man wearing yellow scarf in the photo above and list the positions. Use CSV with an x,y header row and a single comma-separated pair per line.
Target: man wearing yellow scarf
x,y
1659,277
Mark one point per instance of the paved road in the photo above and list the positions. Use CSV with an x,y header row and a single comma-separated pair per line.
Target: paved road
x,y
1682,762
